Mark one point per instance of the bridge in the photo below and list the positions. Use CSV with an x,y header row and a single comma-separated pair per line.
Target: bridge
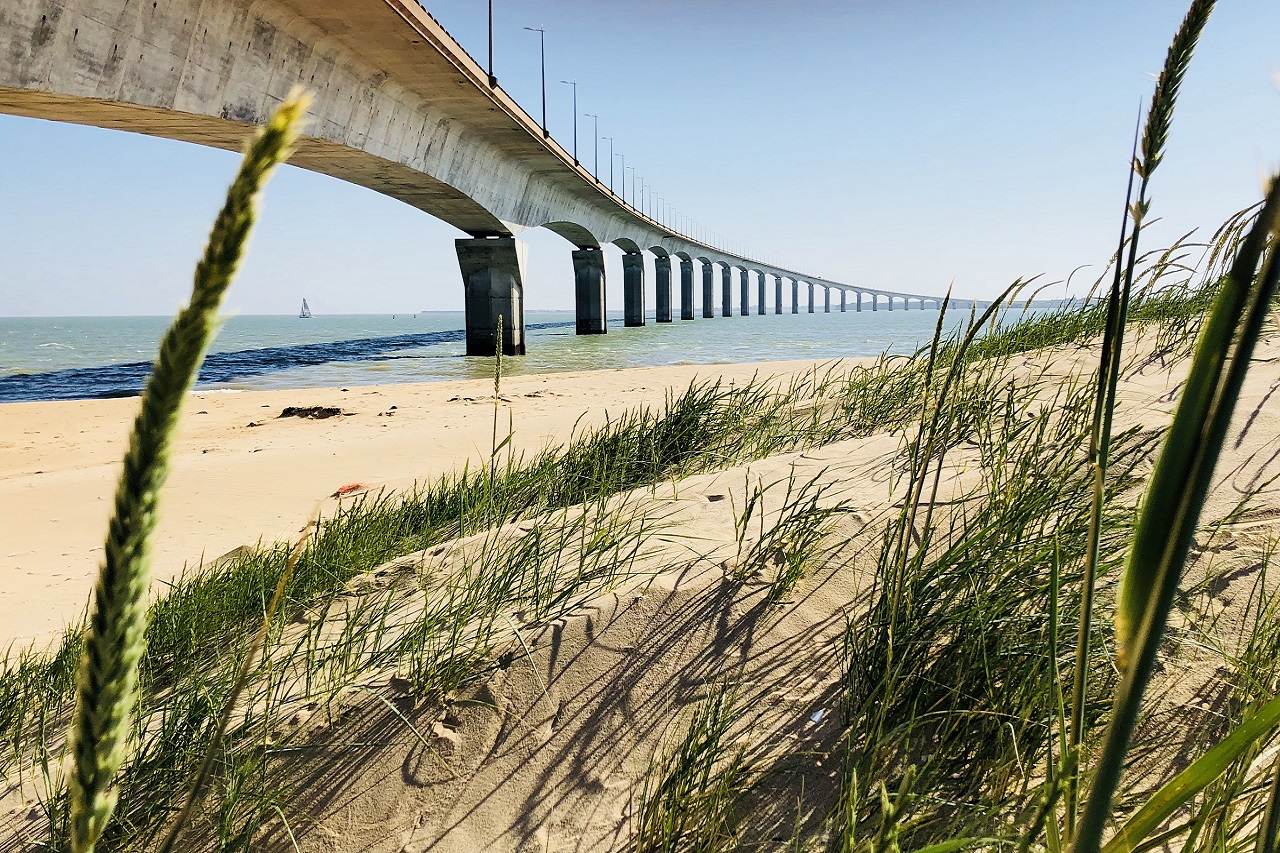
x,y
401,109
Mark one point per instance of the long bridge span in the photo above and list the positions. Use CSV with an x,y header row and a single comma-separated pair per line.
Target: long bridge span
x,y
401,109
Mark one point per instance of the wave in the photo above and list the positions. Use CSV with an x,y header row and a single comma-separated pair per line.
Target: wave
x,y
126,379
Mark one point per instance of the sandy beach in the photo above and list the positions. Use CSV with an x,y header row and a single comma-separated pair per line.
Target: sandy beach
x,y
241,473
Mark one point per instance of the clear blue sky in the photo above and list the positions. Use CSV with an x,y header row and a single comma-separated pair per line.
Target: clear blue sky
x,y
897,145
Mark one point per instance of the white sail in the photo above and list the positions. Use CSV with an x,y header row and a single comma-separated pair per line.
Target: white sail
x,y
305,313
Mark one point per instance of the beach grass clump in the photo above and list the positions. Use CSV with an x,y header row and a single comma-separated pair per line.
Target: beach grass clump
x,y
951,663
690,791
785,544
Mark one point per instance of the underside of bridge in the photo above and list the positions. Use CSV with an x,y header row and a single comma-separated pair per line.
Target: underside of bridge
x,y
399,108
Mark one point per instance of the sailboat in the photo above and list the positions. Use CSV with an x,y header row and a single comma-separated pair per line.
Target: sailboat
x,y
305,313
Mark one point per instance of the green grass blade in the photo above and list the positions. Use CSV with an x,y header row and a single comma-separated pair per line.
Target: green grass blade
x,y
1179,790
1270,828
1099,450
956,844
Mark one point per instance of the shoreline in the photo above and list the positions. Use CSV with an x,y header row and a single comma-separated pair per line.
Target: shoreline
x,y
241,473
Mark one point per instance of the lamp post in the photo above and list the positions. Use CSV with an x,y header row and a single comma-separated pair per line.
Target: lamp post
x,y
624,182
574,84
493,81
542,42
595,125
611,156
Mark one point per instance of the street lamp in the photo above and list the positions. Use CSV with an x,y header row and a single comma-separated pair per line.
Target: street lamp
x,y
574,84
610,138
595,125
493,81
542,41
624,182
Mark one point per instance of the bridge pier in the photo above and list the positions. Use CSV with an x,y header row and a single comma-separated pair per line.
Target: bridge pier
x,y
588,274
795,296
633,289
890,299
777,294
708,291
760,292
810,297
843,295
686,289
493,285
726,291
859,308
662,288
826,300
745,277
875,302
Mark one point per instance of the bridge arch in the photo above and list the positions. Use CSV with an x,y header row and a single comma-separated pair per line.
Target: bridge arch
x,y
627,245
574,233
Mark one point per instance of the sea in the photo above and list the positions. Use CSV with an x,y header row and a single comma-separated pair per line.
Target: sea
x,y
72,358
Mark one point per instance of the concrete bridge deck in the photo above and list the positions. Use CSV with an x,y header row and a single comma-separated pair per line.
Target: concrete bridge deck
x,y
400,108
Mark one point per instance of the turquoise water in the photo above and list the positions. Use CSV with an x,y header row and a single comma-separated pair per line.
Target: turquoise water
x,y
76,357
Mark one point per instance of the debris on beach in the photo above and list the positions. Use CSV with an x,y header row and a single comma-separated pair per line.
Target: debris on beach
x,y
313,412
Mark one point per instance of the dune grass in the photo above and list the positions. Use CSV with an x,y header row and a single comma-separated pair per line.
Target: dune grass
x,y
691,791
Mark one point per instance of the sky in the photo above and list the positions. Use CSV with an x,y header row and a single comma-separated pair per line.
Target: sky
x,y
906,146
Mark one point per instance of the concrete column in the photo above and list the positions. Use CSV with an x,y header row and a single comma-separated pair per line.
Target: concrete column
x,y
745,277
810,297
890,298
662,288
760,289
795,296
826,300
875,302
726,292
777,294
633,289
708,290
859,301
843,294
686,289
588,274
493,285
